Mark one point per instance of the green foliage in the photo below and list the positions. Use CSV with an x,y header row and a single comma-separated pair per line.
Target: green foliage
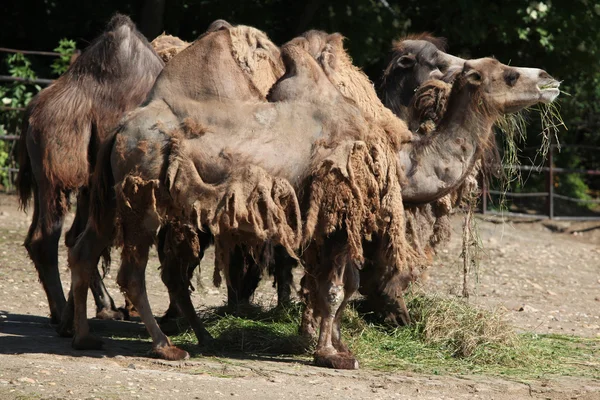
x,y
14,95
66,48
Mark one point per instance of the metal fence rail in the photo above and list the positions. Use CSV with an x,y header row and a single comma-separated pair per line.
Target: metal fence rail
x,y
550,170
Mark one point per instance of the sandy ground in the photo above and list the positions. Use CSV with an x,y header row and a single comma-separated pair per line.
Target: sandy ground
x,y
546,274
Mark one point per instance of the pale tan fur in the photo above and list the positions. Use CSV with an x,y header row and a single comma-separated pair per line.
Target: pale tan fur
x,y
168,46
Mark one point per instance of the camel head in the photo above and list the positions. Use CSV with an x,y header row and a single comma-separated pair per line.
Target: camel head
x,y
470,101
509,89
414,60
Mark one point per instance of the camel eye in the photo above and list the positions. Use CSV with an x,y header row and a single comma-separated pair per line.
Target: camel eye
x,y
511,77
407,61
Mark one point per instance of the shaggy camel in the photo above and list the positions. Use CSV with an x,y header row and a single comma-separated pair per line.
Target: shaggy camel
x,y
169,162
237,63
64,126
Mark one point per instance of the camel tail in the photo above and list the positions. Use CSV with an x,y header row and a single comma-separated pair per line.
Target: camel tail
x,y
25,181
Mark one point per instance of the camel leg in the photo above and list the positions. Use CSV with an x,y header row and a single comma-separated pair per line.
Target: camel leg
x,y
105,306
177,268
131,279
351,284
244,276
83,261
175,276
283,275
50,207
310,322
331,295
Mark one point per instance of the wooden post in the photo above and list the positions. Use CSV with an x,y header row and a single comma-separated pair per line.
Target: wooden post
x,y
550,182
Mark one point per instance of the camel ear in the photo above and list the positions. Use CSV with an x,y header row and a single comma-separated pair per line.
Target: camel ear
x,y
219,25
407,61
474,77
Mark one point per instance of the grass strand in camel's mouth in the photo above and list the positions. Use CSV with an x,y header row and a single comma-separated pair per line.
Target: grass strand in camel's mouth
x,y
549,85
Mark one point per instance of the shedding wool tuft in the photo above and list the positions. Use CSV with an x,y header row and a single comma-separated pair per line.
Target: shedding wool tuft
x,y
257,56
167,46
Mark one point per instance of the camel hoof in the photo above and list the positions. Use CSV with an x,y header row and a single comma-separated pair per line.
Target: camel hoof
x,y
170,353
336,361
108,314
87,342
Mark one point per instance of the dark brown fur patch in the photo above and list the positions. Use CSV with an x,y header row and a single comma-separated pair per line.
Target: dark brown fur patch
x,y
192,128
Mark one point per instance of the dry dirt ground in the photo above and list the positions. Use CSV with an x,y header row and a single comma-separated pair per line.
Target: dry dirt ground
x,y
546,274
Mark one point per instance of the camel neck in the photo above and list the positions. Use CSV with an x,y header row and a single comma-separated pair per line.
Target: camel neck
x,y
436,166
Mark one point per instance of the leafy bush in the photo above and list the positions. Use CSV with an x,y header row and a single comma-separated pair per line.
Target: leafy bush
x,y
14,96
66,48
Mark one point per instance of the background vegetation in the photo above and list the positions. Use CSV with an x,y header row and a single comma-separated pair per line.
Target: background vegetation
x,y
560,36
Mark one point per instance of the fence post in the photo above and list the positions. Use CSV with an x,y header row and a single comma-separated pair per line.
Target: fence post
x,y
550,181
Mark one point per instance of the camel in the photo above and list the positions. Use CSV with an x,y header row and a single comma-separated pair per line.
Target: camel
x,y
169,161
64,126
210,65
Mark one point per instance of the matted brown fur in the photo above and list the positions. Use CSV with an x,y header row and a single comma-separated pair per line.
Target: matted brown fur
x,y
168,46
250,207
71,117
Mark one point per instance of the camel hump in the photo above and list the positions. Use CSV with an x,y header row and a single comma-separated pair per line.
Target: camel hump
x,y
298,61
304,79
218,25
119,21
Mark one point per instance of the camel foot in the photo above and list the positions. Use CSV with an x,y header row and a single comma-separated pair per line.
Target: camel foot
x,y
335,360
108,314
87,342
170,353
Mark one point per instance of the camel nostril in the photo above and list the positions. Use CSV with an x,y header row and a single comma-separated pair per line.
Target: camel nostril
x,y
545,75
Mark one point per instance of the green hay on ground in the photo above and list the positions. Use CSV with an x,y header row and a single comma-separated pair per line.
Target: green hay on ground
x,y
448,335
